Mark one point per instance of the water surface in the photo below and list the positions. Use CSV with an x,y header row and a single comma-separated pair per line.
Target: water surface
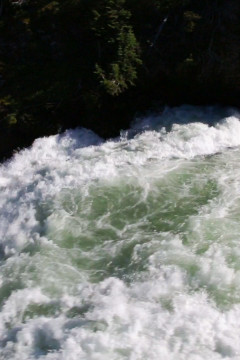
x,y
126,249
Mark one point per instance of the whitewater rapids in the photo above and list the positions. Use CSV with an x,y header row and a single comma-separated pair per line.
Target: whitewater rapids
x,y
127,249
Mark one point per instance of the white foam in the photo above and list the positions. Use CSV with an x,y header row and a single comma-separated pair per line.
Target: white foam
x,y
131,323
179,296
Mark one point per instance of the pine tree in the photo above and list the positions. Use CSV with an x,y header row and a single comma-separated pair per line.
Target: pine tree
x,y
118,49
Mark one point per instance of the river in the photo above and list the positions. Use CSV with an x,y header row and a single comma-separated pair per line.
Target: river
x,y
127,249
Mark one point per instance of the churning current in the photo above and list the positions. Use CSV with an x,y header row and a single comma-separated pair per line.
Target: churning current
x,y
127,249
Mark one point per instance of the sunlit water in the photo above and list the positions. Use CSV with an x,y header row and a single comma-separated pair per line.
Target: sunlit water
x,y
127,249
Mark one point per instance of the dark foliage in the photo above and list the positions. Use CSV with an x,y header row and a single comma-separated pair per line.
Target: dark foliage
x,y
95,63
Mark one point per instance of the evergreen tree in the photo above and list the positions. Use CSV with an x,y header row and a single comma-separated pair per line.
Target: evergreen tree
x,y
118,49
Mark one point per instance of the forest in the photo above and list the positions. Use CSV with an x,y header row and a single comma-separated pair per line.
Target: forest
x,y
99,63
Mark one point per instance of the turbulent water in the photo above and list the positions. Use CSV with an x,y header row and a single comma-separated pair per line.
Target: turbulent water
x,y
127,249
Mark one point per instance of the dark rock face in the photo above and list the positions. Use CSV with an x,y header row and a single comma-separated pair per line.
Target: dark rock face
x,y
96,63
